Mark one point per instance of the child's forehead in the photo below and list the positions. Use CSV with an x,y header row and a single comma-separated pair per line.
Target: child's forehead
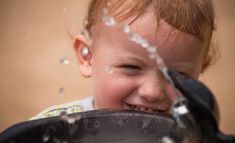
x,y
157,33
168,39
186,16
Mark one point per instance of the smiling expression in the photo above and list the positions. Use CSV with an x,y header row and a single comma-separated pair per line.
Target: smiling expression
x,y
135,81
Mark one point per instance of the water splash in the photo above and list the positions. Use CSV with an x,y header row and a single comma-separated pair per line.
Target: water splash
x,y
64,61
61,90
69,119
134,37
153,54
126,28
108,20
45,138
179,109
109,70
167,139
151,49
144,43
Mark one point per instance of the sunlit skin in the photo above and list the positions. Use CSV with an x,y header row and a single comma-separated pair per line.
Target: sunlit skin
x,y
135,79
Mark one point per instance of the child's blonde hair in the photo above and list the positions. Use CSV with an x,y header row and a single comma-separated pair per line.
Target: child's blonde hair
x,y
195,17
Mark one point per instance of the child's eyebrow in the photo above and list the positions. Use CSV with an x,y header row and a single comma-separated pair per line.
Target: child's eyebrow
x,y
135,59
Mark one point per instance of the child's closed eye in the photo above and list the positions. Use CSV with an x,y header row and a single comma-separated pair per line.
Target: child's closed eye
x,y
130,69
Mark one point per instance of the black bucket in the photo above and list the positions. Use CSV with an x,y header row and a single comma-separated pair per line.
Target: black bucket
x,y
99,126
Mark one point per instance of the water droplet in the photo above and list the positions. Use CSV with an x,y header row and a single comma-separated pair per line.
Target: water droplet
x,y
161,65
61,91
64,61
109,70
45,138
144,43
69,119
181,110
177,103
109,21
126,28
134,37
166,139
152,56
179,106
151,49
131,36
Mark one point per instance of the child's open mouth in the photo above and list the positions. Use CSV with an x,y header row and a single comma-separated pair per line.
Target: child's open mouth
x,y
142,108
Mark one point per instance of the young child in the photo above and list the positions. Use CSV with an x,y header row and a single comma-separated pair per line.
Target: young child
x,y
123,75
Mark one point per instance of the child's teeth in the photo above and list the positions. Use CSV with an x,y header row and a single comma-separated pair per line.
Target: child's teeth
x,y
140,108
132,106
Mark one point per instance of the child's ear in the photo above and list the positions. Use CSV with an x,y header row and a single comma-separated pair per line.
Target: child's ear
x,y
84,55
206,63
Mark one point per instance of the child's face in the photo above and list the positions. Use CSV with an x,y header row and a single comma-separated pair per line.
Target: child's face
x,y
134,81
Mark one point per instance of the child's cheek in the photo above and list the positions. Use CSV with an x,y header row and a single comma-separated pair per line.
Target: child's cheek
x,y
113,90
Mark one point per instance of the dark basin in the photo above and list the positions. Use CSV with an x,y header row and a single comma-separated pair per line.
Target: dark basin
x,y
99,126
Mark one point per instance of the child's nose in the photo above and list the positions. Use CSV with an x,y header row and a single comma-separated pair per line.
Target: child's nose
x,y
152,89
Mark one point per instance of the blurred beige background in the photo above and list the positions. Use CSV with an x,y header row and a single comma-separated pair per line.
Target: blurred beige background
x,y
34,37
